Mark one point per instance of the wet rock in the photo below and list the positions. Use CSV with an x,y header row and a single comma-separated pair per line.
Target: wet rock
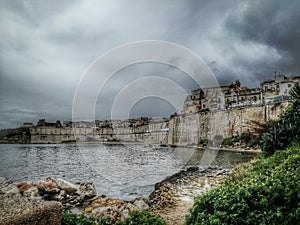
x,y
131,207
163,196
24,187
115,209
63,194
140,204
7,187
32,192
124,214
100,202
96,211
48,185
67,186
192,169
87,190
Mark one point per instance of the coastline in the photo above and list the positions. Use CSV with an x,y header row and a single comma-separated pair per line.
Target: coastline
x,y
176,194
171,199
228,149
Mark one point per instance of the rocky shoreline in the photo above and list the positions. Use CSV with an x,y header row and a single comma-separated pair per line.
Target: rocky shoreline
x,y
174,196
170,199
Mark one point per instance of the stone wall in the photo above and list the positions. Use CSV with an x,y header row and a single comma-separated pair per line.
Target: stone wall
x,y
190,129
185,129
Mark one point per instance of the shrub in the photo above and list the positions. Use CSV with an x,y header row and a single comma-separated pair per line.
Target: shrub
x,y
70,218
142,218
282,132
286,129
269,193
203,141
227,141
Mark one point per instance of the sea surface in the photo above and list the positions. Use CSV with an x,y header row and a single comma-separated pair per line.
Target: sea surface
x,y
123,171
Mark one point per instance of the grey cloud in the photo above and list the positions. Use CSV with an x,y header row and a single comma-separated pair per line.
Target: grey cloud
x,y
46,46
272,23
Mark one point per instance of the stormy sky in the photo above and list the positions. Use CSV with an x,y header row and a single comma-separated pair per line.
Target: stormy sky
x,y
47,46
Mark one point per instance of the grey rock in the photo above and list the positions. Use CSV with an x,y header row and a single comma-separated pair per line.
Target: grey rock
x,y
131,207
17,210
32,192
87,190
8,188
67,186
141,204
99,210
124,214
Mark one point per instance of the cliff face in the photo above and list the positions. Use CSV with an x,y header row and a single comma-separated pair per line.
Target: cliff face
x,y
186,129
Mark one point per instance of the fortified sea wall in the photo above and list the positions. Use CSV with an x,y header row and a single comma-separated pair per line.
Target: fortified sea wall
x,y
190,129
185,129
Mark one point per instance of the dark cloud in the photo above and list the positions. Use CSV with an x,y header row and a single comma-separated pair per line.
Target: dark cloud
x,y
46,47
275,25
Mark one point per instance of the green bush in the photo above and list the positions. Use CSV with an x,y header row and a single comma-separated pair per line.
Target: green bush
x,y
70,218
142,218
269,193
227,141
203,141
135,218
282,132
285,130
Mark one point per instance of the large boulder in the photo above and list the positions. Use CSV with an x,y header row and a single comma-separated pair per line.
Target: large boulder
x,y
48,185
17,210
7,187
107,208
67,186
140,204
24,187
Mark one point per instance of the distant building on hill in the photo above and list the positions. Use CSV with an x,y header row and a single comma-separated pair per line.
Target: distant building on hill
x,y
278,89
43,123
27,124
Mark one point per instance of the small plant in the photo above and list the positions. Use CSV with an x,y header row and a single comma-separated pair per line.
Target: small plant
x,y
70,218
135,218
203,141
142,218
227,141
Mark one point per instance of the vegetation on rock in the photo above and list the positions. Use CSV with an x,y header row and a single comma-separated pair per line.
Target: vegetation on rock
x,y
265,193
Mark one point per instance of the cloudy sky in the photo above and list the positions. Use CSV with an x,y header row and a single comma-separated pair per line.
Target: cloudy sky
x,y
47,46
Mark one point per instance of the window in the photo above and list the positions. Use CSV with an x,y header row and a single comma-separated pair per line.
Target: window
x,y
289,85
